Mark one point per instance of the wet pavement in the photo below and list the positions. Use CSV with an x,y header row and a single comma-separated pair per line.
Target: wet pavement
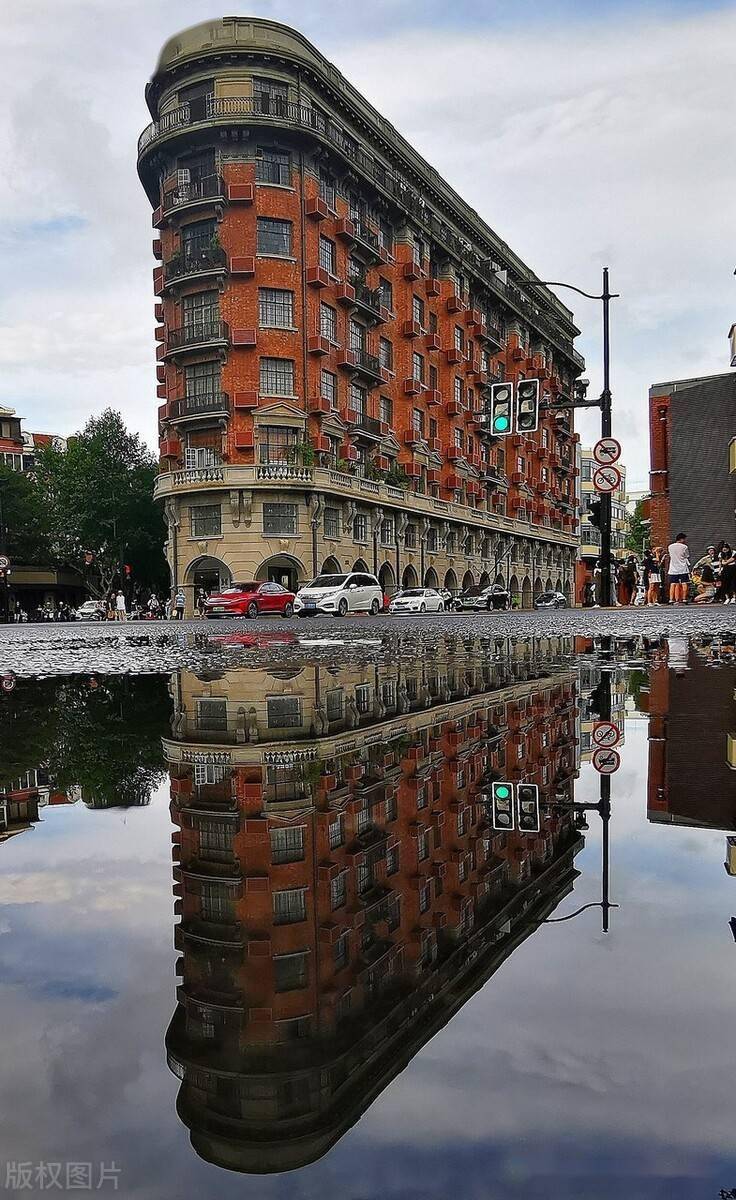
x,y
346,909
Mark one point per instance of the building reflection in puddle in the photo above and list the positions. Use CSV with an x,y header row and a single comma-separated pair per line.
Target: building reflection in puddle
x,y
342,891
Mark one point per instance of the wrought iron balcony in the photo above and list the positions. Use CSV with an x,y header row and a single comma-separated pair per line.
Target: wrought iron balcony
x,y
367,364
198,334
184,195
367,299
200,406
195,260
361,422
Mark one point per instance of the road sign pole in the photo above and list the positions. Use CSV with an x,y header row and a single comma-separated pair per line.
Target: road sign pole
x,y
606,503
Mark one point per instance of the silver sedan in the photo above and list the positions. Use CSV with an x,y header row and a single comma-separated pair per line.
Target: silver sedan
x,y
419,600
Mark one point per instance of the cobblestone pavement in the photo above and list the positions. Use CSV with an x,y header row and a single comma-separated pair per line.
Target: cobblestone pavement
x,y
146,646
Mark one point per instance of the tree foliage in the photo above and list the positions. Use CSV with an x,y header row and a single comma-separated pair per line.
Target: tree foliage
x,y
23,518
97,496
637,537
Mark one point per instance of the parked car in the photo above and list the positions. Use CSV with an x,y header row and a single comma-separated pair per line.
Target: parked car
x,y
91,610
550,600
250,599
417,600
478,599
339,595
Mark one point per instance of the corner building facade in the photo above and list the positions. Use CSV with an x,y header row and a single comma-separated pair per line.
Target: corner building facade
x,y
331,315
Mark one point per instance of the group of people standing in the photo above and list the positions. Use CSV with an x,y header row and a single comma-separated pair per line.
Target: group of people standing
x,y
713,576
142,608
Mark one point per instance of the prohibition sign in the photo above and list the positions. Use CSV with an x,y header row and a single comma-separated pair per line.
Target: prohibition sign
x,y
8,683
4,562
606,479
606,761
607,451
606,734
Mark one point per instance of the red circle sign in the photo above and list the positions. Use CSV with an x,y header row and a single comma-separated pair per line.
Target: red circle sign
x,y
606,761
8,683
606,734
606,479
606,451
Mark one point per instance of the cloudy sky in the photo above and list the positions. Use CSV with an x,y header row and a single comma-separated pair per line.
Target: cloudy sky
x,y
585,135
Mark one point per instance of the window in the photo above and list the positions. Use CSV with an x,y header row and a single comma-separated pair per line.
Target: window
x,y
457,437
287,844
357,336
462,870
208,773
363,698
290,971
386,410
392,860
202,382
289,906
215,903
327,258
328,322
340,951
425,897
275,308
387,531
423,846
417,421
385,354
332,523
432,540
459,338
458,389
392,808
410,537
199,457
201,314
212,715
418,251
284,712
338,890
327,188
197,240
362,818
273,236
275,443
433,322
215,840
271,95
360,528
272,166
432,427
280,519
335,830
385,292
450,542
206,520
358,400
417,367
586,470
433,378
462,821
417,310
328,387
277,377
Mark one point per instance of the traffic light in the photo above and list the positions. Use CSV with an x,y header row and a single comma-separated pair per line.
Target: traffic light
x,y
594,513
503,805
527,807
502,405
527,405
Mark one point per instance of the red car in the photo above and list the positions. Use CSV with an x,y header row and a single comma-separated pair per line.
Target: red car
x,y
250,600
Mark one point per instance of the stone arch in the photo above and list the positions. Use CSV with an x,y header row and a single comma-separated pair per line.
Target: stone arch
x,y
450,583
331,566
430,578
485,580
538,588
565,589
515,590
410,578
360,565
499,581
526,592
468,580
387,579
548,585
283,569
209,573
558,585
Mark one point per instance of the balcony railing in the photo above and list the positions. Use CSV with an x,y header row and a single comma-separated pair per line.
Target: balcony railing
x,y
406,196
211,187
200,333
369,299
196,406
195,260
367,363
362,421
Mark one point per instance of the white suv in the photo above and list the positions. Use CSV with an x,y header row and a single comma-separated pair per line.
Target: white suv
x,y
339,595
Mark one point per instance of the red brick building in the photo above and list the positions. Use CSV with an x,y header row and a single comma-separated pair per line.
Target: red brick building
x,y
331,315
340,888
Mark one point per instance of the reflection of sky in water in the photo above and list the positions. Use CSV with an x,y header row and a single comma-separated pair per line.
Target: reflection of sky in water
x,y
587,1066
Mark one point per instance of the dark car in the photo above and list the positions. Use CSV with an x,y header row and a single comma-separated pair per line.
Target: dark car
x,y
551,600
251,599
478,599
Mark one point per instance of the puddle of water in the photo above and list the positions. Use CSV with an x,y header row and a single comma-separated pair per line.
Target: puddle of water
x,y
416,944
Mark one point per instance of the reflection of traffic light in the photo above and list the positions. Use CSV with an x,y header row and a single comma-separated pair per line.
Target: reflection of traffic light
x,y
527,405
527,807
594,513
503,805
502,403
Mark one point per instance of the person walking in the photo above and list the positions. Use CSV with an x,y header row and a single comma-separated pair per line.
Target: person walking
x,y
201,601
728,578
653,574
154,607
179,604
121,612
629,580
679,569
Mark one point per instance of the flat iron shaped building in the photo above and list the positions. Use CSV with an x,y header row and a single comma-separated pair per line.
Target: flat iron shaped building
x,y
330,318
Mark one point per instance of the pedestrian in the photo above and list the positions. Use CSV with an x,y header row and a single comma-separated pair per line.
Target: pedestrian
x,y
121,612
679,569
629,577
179,603
201,601
653,574
728,578
154,607
705,585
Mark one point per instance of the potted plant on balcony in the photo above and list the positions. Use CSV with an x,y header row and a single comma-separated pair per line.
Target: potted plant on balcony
x,y
396,476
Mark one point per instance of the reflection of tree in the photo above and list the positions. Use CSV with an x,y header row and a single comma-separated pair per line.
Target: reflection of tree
x,y
103,736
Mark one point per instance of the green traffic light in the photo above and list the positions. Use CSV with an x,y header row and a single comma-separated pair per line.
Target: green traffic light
x,y
501,423
503,792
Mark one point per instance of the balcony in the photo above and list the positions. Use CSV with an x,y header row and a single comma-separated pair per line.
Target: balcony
x,y
361,423
192,195
360,234
362,362
202,335
194,262
368,300
208,405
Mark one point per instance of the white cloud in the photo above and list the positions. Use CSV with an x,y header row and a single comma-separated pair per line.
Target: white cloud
x,y
600,139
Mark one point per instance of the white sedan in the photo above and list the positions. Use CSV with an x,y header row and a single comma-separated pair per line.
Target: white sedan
x,y
417,600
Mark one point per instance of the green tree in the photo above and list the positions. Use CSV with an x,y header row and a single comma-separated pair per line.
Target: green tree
x,y
97,495
637,537
22,519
